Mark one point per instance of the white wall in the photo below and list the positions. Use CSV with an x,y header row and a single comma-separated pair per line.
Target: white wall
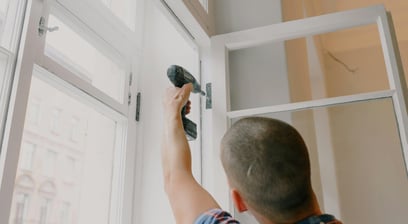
x,y
258,76
163,46
234,15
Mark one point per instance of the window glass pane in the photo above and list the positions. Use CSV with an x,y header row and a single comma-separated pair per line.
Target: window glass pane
x,y
75,129
92,62
340,63
70,169
55,120
27,156
4,68
33,115
3,12
70,181
21,208
65,213
45,208
49,163
10,18
124,10
3,6
11,14
356,159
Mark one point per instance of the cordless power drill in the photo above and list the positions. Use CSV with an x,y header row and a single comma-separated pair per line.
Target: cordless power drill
x,y
180,76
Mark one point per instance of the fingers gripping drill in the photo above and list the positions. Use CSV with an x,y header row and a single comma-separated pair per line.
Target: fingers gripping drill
x,y
180,76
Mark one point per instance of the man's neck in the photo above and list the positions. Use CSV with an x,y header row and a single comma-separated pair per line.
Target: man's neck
x,y
313,211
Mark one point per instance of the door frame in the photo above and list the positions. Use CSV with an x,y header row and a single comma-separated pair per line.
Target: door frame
x,y
220,46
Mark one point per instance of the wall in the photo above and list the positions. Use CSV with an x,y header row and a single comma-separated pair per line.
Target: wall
x,y
370,168
163,47
234,15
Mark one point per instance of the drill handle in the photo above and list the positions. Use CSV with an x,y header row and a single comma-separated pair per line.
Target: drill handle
x,y
184,111
190,128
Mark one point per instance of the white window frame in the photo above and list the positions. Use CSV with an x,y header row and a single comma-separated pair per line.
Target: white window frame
x,y
127,43
198,23
222,44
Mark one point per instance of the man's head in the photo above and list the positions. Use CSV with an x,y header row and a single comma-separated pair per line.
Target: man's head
x,y
267,162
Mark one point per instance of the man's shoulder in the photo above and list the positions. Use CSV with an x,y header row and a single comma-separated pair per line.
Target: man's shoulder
x,y
318,219
216,216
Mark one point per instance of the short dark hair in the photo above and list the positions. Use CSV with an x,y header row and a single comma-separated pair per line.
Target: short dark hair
x,y
267,161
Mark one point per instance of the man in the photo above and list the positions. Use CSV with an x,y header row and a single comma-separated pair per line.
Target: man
x,y
266,162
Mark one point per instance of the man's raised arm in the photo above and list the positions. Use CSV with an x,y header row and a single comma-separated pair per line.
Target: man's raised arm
x,y
187,198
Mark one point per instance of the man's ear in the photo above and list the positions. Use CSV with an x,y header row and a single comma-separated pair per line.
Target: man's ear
x,y
238,201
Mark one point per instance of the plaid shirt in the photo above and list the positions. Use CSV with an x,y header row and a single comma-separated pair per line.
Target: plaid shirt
x,y
218,216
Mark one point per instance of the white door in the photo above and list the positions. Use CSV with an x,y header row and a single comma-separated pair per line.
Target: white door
x,y
353,119
69,150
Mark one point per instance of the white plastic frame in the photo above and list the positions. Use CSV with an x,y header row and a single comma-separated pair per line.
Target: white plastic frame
x,y
31,56
222,44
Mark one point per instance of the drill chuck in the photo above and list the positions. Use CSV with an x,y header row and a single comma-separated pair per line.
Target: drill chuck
x,y
180,76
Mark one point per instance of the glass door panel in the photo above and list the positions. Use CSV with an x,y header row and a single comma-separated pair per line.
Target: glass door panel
x,y
356,158
347,64
68,159
334,64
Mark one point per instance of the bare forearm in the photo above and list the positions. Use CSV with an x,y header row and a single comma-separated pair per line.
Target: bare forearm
x,y
176,153
187,198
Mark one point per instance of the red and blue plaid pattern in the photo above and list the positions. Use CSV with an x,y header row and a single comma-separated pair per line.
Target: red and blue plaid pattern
x,y
216,216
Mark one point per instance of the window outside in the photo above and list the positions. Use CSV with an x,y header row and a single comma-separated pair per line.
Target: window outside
x,y
27,156
67,181
22,200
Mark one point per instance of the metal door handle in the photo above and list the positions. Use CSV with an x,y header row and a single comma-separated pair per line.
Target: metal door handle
x,y
42,29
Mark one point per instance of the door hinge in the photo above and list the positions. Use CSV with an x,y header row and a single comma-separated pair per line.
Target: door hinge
x,y
138,98
208,97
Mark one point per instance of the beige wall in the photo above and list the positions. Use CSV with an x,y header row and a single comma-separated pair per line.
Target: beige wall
x,y
371,173
370,170
369,167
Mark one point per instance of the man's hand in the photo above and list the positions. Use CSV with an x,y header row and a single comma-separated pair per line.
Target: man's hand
x,y
187,198
174,100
